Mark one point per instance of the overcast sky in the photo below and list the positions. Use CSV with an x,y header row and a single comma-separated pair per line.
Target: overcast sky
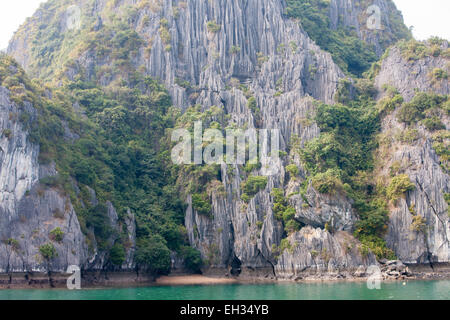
x,y
429,17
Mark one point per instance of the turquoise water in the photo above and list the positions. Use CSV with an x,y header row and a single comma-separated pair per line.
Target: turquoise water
x,y
433,290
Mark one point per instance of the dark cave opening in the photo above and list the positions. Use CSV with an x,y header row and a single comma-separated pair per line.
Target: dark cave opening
x,y
236,267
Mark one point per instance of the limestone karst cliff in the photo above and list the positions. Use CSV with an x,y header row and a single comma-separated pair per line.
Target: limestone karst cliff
x,y
255,67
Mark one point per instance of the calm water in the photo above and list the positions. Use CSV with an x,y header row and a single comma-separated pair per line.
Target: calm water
x,y
292,291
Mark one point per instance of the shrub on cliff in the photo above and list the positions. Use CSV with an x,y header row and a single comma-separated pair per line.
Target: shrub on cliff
x,y
253,185
200,203
48,252
56,235
399,185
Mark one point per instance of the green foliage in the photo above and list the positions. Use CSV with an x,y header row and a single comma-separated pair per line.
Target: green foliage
x,y
192,259
293,170
378,246
398,186
420,106
284,212
253,106
152,255
439,74
13,243
201,203
7,133
249,166
48,251
413,50
328,182
447,199
56,235
253,185
419,224
408,135
389,104
341,159
213,26
292,226
235,49
374,217
284,245
117,254
441,144
345,144
433,123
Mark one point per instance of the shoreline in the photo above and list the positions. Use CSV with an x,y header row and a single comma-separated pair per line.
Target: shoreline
x,y
99,280
200,280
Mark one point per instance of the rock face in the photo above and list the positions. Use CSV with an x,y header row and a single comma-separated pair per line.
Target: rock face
x,y
420,162
315,251
408,76
358,16
30,211
321,210
226,50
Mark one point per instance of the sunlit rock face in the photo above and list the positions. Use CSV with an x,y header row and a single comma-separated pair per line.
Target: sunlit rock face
x,y
225,50
419,161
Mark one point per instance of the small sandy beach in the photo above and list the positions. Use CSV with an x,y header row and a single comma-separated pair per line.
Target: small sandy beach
x,y
192,280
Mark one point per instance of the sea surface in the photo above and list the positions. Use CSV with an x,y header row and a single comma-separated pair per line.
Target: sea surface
x,y
415,290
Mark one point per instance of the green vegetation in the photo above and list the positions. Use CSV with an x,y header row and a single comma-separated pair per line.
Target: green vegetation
x,y
284,212
422,106
200,203
447,199
433,123
48,252
419,224
252,105
345,145
413,50
399,185
408,135
293,170
252,186
235,49
7,133
213,26
122,127
117,255
439,74
284,245
389,103
56,235
192,259
441,144
152,255
13,243
328,182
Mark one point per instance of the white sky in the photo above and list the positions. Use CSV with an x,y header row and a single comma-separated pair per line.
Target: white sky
x,y
429,17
